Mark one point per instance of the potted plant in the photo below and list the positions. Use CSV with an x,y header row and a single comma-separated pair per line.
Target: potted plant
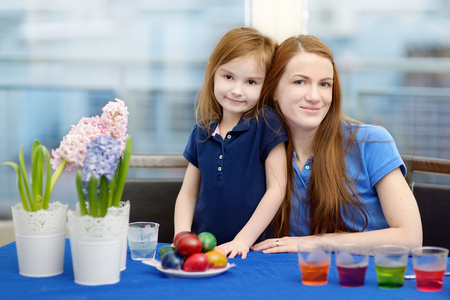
x,y
98,226
39,226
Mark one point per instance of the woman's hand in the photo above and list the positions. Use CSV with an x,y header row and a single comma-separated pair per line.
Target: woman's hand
x,y
234,248
278,245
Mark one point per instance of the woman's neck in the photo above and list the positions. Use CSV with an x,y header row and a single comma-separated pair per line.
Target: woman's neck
x,y
303,143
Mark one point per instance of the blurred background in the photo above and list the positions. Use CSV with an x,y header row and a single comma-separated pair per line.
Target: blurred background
x,y
62,60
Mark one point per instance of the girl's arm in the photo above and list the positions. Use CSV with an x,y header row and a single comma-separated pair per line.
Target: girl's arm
x,y
400,210
275,166
187,197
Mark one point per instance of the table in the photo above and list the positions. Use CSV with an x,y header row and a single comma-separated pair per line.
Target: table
x,y
260,276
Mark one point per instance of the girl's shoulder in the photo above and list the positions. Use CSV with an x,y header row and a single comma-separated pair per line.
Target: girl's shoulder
x,y
270,115
268,111
199,130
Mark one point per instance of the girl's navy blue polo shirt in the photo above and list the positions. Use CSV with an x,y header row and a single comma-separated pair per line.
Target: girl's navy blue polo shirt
x,y
233,173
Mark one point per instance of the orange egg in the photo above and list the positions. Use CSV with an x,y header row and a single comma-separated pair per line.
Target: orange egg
x,y
220,250
216,260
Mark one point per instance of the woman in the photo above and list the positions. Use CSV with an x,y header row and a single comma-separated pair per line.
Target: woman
x,y
346,178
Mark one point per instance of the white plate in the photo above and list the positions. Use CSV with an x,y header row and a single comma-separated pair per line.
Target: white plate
x,y
190,275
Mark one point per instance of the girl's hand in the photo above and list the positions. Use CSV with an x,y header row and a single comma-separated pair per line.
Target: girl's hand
x,y
234,248
278,245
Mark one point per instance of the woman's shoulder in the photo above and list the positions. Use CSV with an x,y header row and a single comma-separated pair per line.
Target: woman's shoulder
x,y
368,131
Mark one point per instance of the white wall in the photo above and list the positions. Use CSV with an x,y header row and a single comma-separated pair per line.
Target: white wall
x,y
278,21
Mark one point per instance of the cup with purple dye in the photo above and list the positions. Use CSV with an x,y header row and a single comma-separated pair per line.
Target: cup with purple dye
x,y
352,261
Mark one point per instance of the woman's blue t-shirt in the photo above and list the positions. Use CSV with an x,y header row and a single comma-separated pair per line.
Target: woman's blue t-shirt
x,y
233,178
378,157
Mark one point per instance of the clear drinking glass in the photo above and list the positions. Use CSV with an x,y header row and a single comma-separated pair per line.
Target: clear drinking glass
x,y
142,240
429,265
390,264
314,261
352,261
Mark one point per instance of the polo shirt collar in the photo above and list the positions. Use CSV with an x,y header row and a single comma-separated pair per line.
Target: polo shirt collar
x,y
242,125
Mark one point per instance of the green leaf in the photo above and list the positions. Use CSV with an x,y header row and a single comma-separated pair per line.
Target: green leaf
x,y
112,187
37,165
121,172
24,174
19,184
62,165
92,196
32,195
104,188
81,199
48,177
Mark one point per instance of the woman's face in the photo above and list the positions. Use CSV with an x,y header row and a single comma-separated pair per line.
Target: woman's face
x,y
304,91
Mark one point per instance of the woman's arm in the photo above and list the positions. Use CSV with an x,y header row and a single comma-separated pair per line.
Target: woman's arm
x,y
399,208
275,166
187,197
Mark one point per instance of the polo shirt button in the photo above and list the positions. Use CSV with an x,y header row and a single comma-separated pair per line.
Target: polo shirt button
x,y
219,168
307,167
229,136
220,156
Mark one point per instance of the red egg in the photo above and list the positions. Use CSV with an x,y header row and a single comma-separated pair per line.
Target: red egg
x,y
188,245
181,234
197,262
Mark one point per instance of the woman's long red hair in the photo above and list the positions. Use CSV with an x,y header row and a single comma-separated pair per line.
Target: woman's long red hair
x,y
330,191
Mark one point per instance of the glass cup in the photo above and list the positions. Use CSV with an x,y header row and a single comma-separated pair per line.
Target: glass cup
x,y
142,240
429,265
314,261
352,261
390,264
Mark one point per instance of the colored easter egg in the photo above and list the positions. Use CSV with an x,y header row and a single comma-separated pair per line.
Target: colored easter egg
x,y
165,249
216,260
171,260
220,250
208,241
197,262
181,234
188,245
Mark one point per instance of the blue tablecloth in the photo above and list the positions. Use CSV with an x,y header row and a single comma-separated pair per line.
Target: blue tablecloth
x,y
260,276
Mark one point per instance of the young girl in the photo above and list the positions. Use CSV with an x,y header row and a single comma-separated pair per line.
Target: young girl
x,y
236,177
346,179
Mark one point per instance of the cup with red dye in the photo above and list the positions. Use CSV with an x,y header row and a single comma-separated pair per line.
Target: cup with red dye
x,y
429,265
352,261
314,261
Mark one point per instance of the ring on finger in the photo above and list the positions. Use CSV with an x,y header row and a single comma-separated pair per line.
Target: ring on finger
x,y
277,243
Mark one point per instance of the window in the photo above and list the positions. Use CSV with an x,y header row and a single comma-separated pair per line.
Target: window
x,y
60,62
394,72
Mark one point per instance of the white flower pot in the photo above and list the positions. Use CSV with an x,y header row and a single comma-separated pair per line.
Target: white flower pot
x,y
40,239
97,247
123,213
96,261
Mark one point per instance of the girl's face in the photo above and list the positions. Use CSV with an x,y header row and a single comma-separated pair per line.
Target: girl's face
x,y
238,84
304,92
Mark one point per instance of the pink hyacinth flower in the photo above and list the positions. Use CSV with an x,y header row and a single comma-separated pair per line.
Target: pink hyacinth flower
x,y
113,122
73,146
